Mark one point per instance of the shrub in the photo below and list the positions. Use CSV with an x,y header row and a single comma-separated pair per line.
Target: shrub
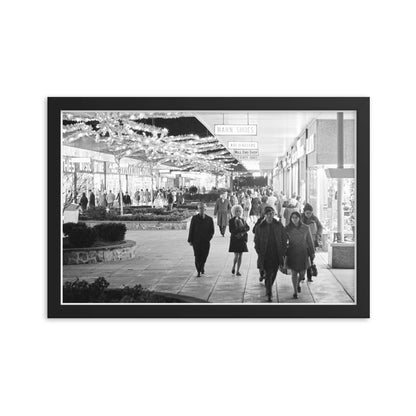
x,y
82,236
112,231
193,190
80,291
69,226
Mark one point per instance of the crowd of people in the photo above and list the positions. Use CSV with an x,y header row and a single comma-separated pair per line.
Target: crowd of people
x,y
159,198
286,234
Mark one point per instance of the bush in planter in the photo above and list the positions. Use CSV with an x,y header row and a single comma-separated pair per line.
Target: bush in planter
x,y
82,291
69,226
112,231
82,237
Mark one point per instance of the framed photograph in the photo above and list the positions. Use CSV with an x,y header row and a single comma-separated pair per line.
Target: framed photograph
x,y
208,207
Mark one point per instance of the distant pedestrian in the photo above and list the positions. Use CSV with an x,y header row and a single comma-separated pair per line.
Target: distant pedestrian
x,y
103,199
91,200
136,197
170,200
270,241
126,199
238,240
222,210
300,252
292,207
246,203
201,232
83,202
255,211
110,199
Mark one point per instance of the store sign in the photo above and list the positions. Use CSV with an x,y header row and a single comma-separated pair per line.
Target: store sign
x,y
246,154
243,145
310,144
252,165
235,129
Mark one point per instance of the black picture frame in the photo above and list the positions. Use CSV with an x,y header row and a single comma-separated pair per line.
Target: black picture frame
x,y
361,309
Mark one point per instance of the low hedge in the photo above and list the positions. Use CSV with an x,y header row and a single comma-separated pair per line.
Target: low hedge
x,y
80,291
136,214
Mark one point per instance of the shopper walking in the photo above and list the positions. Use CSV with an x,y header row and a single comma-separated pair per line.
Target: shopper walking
x,y
201,232
255,211
91,201
222,211
246,206
110,199
270,242
238,240
83,202
292,207
315,226
300,252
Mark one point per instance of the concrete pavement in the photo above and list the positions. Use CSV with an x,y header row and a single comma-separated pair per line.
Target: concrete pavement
x,y
165,263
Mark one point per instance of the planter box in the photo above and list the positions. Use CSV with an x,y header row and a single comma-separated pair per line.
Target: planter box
x,y
89,255
148,225
341,255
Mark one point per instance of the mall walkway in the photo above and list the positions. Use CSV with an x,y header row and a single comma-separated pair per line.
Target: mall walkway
x,y
165,263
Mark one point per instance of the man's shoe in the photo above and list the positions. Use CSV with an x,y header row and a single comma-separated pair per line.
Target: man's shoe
x,y
198,275
295,296
269,298
310,280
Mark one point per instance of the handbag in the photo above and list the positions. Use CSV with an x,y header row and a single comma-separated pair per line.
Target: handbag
x,y
314,270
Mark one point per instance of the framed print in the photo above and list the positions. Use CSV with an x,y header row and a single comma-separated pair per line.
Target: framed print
x,y
208,207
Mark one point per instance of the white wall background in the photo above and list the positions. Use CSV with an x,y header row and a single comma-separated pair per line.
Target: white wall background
x,y
204,367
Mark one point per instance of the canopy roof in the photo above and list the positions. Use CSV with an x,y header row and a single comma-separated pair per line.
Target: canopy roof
x,y
179,140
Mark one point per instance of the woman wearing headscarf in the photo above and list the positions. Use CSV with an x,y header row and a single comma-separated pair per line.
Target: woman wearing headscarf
x,y
300,252
238,240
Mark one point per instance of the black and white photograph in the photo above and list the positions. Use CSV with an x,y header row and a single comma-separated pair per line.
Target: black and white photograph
x,y
214,207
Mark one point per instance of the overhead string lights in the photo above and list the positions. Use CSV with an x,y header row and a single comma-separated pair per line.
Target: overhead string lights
x,y
126,134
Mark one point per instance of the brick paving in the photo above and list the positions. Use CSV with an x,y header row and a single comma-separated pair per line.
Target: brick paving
x,y
164,262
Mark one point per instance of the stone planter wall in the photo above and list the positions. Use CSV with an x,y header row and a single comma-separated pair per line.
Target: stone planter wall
x,y
148,225
341,255
91,255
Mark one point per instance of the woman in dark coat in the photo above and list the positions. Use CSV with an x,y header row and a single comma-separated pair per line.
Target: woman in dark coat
x,y
301,250
238,240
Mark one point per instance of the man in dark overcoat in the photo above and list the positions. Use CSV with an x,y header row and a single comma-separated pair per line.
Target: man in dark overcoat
x,y
201,232
270,243
222,210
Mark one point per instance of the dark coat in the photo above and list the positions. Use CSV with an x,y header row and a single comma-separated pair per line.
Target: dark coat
x,y
201,231
92,199
222,211
238,239
261,238
300,247
83,202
